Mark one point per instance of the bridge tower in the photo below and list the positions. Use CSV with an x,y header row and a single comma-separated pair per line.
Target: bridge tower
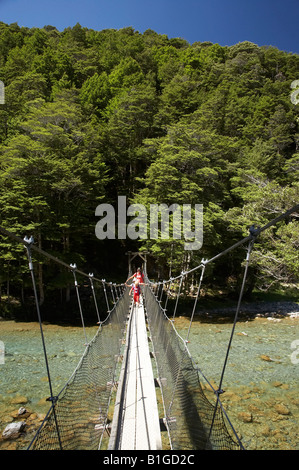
x,y
132,255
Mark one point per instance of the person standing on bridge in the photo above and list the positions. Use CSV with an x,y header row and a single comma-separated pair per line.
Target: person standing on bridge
x,y
138,275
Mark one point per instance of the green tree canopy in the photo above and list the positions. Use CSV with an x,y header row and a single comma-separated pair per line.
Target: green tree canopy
x,y
90,115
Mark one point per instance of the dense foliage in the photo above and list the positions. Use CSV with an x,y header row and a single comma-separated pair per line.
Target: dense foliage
x,y
90,115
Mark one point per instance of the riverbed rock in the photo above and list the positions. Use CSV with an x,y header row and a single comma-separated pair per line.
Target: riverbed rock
x,y
245,417
281,409
9,445
19,400
294,315
21,412
264,357
43,402
13,430
265,430
281,385
35,419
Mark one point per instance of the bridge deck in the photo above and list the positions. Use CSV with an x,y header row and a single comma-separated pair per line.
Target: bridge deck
x,y
135,424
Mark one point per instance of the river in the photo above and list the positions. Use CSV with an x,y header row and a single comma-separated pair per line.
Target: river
x,y
261,376
260,380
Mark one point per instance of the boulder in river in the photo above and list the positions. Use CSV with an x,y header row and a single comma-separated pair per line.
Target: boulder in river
x,y
13,430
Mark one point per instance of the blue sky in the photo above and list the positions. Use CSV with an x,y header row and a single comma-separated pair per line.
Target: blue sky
x,y
226,22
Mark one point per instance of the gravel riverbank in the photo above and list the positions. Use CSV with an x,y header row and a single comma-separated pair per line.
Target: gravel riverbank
x,y
253,309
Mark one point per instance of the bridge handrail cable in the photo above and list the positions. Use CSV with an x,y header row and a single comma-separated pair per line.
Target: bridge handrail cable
x,y
119,310
254,233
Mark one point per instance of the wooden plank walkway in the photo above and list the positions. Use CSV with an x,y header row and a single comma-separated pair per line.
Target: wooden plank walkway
x,y
135,424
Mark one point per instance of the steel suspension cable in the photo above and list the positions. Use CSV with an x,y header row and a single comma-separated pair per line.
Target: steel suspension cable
x,y
73,268
52,399
251,239
94,297
56,412
196,300
41,252
161,295
168,294
112,293
253,232
106,297
178,295
219,390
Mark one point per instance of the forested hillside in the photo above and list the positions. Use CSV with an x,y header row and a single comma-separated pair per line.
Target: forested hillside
x,y
90,115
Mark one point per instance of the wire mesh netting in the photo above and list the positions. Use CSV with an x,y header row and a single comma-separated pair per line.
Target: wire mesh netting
x,y
78,419
78,416
193,421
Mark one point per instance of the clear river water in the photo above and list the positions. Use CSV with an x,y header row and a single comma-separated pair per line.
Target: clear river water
x,y
260,381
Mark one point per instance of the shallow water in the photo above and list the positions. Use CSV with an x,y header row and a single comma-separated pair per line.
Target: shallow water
x,y
260,380
24,371
23,375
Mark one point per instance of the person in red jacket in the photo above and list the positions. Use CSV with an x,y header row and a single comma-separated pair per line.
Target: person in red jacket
x,y
136,292
138,275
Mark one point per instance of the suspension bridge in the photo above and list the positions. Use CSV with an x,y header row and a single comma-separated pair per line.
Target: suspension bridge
x,y
136,357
